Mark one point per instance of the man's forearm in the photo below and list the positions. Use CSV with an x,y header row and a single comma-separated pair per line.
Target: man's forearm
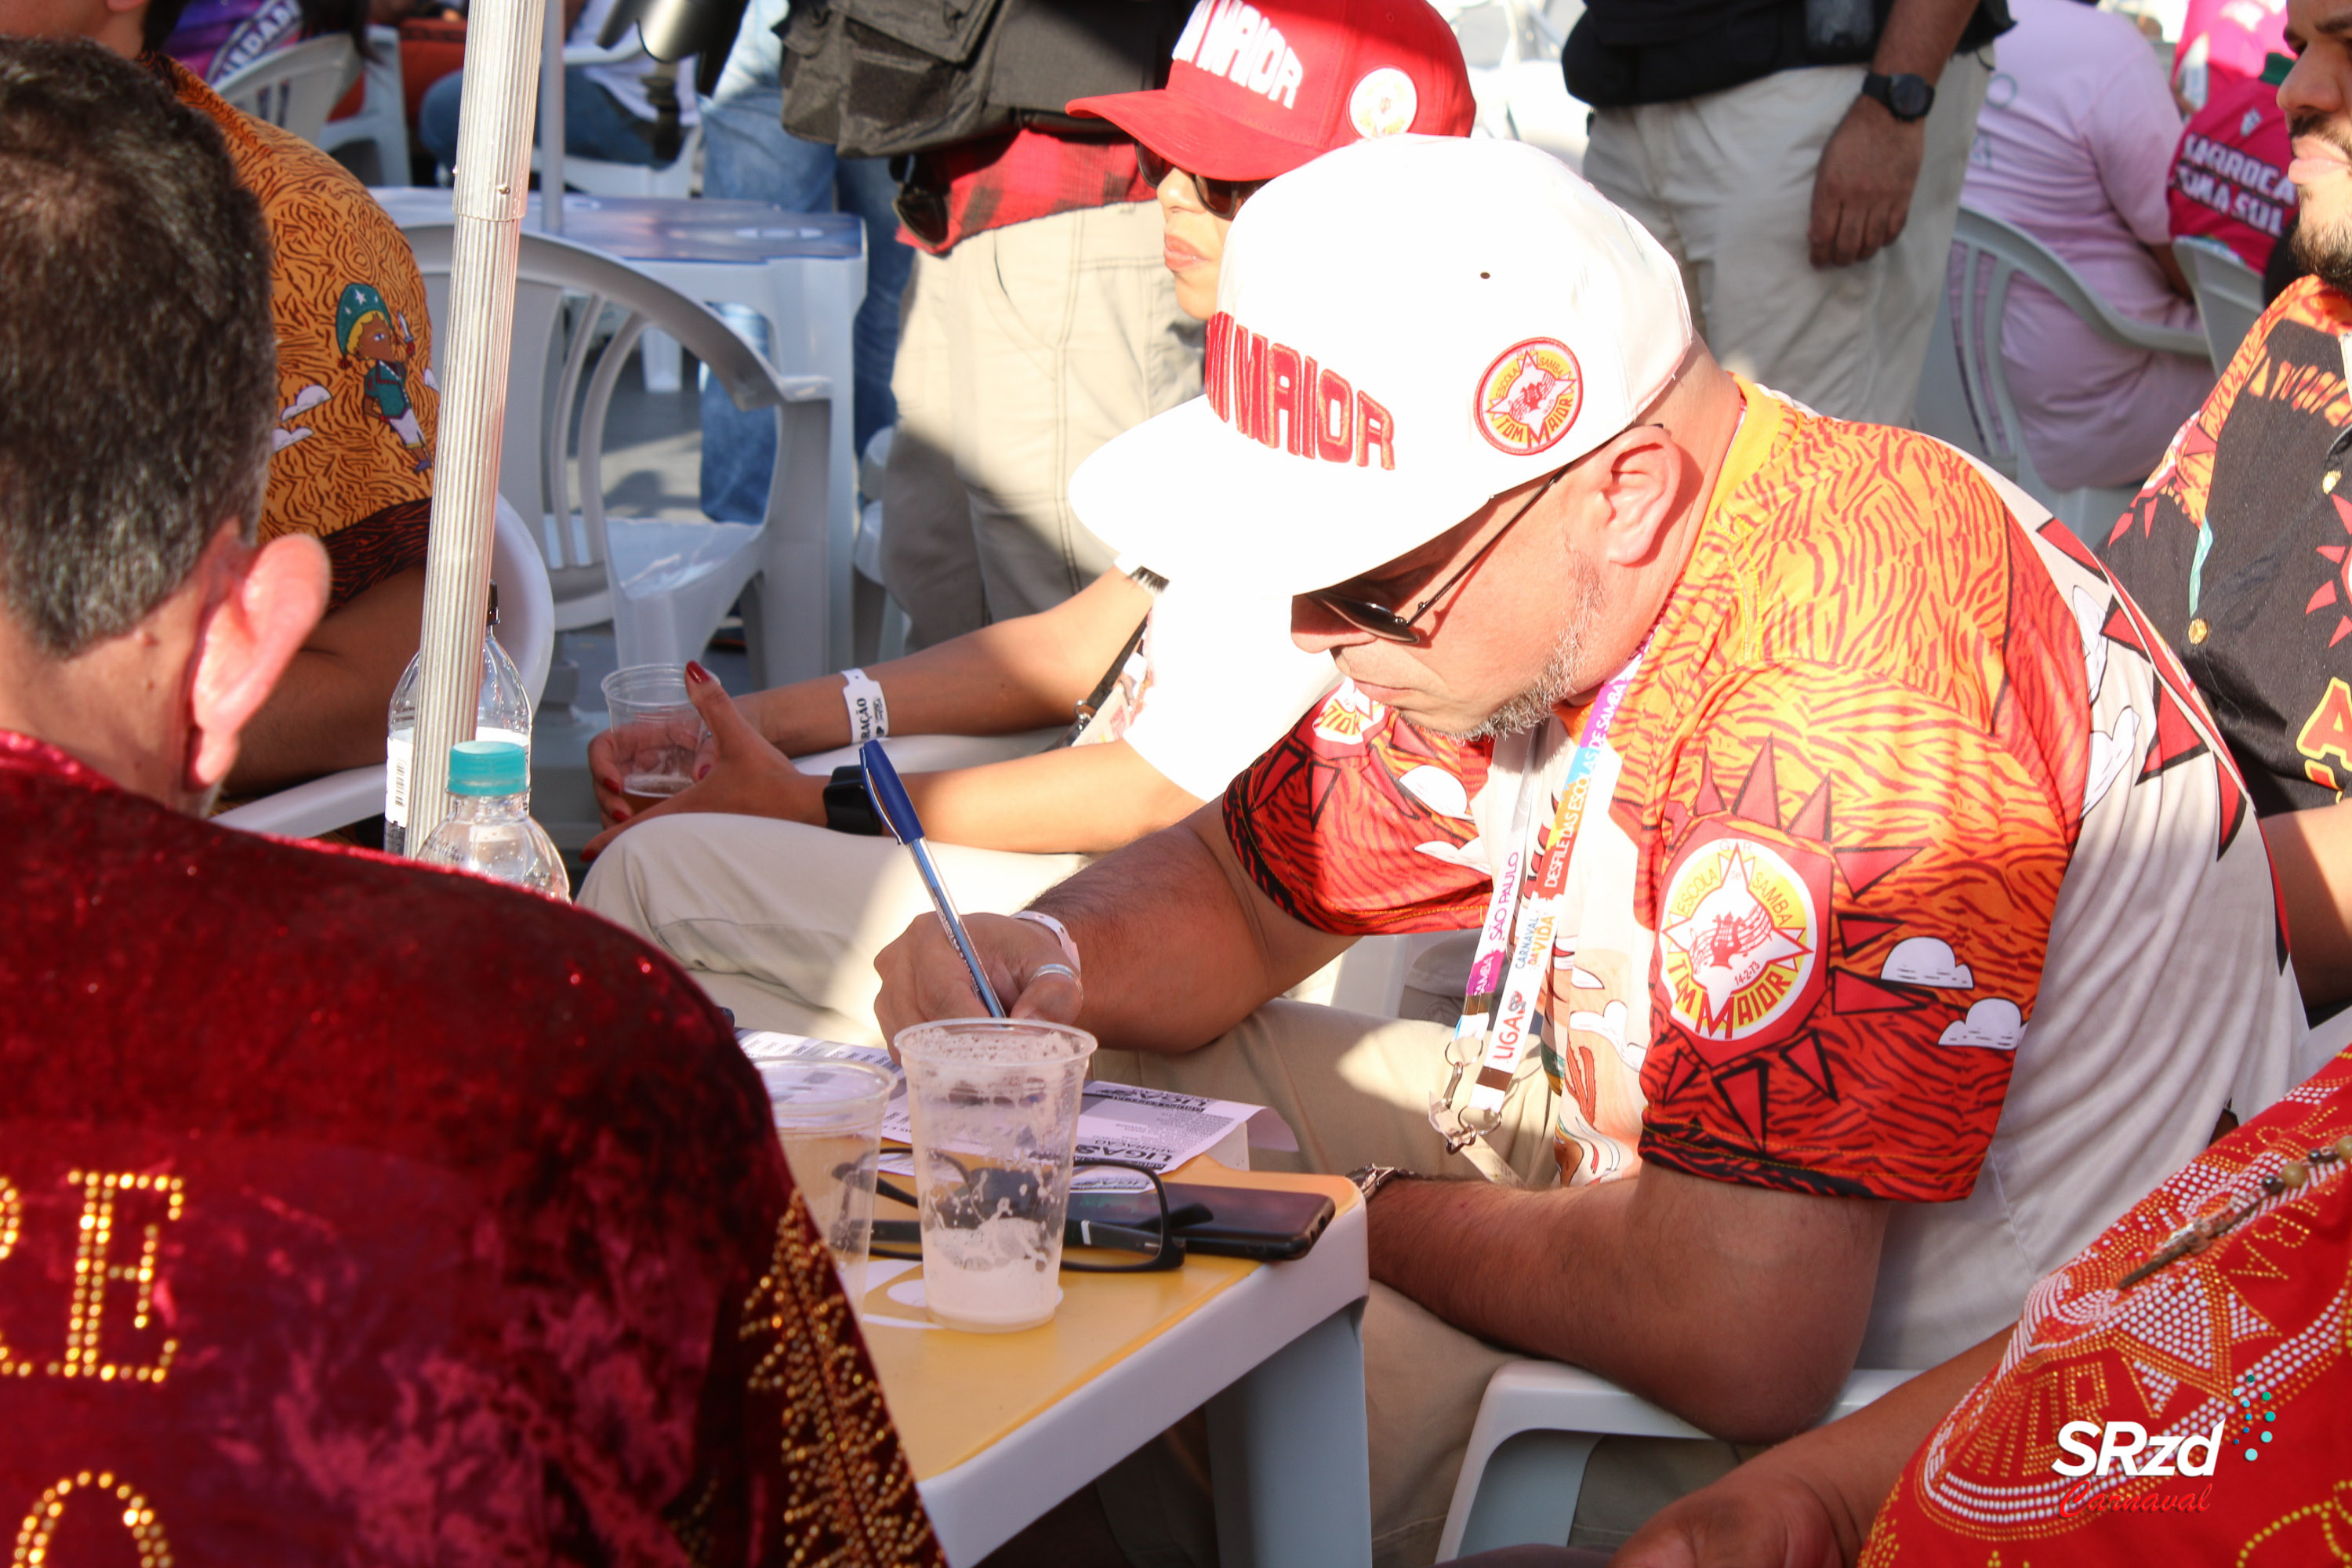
x,y
1739,1309
1920,35
1072,799
1175,951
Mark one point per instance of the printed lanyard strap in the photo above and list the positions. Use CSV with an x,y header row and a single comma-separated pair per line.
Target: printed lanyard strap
x,y
1499,1004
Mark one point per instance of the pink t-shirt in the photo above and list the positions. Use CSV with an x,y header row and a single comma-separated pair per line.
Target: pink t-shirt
x,y
2075,146
2222,42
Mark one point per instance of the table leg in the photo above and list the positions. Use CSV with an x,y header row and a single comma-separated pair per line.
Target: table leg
x,y
1290,1455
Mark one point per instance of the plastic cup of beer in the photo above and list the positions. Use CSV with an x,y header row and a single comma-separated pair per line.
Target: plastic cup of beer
x,y
995,1103
657,733
829,1117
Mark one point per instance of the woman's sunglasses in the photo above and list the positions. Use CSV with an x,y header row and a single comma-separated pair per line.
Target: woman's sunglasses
x,y
1220,198
1389,626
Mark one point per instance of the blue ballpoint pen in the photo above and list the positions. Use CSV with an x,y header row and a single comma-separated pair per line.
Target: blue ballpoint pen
x,y
897,814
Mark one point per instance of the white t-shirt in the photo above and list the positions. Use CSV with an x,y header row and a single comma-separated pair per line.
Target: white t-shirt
x,y
1215,681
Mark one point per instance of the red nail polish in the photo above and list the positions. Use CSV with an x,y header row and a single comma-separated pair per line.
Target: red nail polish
x,y
696,673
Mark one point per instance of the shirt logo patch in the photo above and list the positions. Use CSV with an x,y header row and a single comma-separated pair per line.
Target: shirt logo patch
x,y
1529,397
1383,103
1348,716
1740,940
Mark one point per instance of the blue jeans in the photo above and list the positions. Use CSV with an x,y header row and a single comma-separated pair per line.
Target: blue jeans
x,y
595,123
747,155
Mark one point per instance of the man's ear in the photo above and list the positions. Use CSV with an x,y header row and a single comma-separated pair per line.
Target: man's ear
x,y
266,602
1643,472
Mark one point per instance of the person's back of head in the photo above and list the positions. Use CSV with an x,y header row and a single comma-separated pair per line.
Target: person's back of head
x,y
138,388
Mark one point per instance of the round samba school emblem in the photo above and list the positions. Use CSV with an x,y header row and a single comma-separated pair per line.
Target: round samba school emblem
x,y
1738,939
1529,397
1383,103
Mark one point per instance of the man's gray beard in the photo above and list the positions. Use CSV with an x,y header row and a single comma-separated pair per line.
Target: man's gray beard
x,y
2327,252
1563,671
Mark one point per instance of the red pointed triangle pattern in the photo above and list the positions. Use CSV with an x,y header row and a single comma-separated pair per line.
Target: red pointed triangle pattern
x,y
1746,1092
1804,1055
2062,540
1864,867
1759,794
1858,931
2177,740
1851,993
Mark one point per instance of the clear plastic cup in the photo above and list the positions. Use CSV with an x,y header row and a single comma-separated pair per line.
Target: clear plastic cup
x,y
995,1103
829,1116
656,728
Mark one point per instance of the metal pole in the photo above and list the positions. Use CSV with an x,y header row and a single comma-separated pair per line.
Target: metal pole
x,y
493,177
550,126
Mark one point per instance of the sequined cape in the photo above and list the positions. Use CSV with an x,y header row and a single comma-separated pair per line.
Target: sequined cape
x,y
351,1213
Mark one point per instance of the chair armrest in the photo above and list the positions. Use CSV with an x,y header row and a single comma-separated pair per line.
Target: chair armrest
x,y
307,810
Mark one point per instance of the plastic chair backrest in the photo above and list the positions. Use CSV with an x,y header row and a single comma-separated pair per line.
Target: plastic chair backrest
x,y
1990,254
381,122
2229,294
550,368
297,87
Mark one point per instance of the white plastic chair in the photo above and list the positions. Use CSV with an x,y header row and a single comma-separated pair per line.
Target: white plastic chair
x,y
664,585
1964,396
2229,294
295,87
1536,1428
526,630
380,129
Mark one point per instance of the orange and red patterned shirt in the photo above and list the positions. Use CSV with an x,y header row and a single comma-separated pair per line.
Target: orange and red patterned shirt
x,y
2198,1414
1922,875
351,461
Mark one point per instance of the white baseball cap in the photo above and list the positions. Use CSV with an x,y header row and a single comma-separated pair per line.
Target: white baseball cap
x,y
1405,329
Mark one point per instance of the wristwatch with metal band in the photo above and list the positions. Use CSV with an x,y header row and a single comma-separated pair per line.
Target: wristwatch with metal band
x,y
1906,96
1370,1179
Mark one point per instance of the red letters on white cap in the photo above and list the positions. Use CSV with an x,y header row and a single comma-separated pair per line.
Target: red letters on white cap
x,y
1275,394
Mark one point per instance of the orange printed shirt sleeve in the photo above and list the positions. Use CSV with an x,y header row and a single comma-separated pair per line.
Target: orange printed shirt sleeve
x,y
1355,822
1852,885
351,459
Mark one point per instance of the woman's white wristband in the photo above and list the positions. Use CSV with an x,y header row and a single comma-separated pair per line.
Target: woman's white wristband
x,y
869,716
1060,933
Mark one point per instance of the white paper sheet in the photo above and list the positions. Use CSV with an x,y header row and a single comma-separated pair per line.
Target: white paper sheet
x,y
1116,1120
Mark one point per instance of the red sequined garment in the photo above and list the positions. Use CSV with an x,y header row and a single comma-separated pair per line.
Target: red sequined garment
x,y
351,1213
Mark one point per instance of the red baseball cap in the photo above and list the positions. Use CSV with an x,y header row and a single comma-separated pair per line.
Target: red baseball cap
x,y
1255,90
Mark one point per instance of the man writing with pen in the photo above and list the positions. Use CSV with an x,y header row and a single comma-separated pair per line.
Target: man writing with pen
x,y
1867,914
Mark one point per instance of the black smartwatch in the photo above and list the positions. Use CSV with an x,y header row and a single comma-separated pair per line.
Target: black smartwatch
x,y
1906,96
847,808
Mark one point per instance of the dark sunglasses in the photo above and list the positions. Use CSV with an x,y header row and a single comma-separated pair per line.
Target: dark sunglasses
x,y
1220,199
1390,626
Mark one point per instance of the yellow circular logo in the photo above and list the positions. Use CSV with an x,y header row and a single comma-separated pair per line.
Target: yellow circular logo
x,y
1738,940
1383,103
1529,397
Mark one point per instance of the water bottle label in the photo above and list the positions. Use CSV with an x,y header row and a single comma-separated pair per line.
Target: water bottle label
x,y
398,750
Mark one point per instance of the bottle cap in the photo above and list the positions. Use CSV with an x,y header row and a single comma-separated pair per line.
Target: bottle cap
x,y
488,767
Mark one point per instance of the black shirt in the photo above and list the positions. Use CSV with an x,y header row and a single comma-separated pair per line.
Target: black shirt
x,y
2238,547
1625,52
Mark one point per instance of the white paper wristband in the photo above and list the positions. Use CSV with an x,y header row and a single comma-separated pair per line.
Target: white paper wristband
x,y
1069,948
870,715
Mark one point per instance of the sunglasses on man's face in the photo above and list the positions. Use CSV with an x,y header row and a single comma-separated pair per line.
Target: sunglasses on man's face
x,y
1390,626
1220,198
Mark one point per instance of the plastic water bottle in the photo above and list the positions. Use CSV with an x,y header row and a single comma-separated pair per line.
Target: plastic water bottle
x,y
489,829
502,713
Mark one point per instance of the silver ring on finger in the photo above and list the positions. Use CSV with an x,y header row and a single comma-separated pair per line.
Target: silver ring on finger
x,y
1064,970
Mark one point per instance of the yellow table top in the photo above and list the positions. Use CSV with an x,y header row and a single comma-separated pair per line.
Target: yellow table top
x,y
952,1394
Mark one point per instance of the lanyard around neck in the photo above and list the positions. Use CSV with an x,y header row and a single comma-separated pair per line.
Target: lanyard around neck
x,y
1500,1001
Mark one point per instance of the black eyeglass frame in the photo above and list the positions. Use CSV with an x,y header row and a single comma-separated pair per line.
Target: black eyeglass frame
x,y
1165,1248
1219,198
1380,621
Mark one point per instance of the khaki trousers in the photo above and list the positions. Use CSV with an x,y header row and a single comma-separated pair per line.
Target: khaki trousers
x,y
1726,184
1355,1089
1020,352
779,921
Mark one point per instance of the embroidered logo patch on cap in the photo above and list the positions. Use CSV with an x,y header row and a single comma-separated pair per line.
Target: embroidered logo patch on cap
x,y
1529,397
1383,103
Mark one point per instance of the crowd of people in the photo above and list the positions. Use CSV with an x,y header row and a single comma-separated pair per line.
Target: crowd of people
x,y
1896,930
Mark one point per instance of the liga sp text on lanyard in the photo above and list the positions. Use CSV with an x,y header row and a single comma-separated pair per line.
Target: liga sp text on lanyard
x,y
1506,1023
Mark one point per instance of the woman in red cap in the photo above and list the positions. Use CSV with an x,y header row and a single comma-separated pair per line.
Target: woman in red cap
x,y
1255,90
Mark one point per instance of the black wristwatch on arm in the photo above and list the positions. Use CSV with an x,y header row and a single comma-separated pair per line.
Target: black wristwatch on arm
x,y
1908,98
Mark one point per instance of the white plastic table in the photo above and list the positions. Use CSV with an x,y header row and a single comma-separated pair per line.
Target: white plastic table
x,y
1001,1427
804,273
